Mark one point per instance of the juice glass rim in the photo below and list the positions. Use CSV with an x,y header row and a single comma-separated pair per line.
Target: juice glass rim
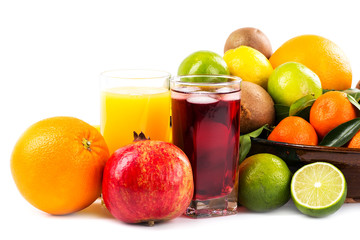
x,y
125,73
177,80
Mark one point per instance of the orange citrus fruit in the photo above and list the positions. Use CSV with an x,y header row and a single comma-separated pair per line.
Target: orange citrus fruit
x,y
57,164
319,54
329,111
97,127
294,130
355,141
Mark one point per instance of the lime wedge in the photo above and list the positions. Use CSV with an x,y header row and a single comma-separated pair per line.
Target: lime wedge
x,y
318,189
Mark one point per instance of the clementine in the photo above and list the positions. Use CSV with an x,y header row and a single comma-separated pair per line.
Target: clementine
x,y
57,164
294,130
355,141
319,54
330,110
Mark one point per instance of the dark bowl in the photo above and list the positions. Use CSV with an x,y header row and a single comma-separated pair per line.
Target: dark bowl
x,y
296,156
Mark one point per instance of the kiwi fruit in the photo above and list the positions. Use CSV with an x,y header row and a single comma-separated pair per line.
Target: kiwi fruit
x,y
257,107
251,37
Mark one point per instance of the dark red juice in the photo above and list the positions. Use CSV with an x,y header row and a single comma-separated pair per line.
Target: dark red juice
x,y
207,127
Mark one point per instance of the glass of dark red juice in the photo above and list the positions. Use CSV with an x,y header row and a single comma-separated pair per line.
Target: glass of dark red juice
x,y
206,126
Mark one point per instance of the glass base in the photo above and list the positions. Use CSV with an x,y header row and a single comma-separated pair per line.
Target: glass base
x,y
212,208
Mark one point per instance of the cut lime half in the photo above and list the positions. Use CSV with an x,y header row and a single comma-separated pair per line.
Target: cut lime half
x,y
318,189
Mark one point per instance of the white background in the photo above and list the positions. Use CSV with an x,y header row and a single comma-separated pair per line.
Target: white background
x,y
51,55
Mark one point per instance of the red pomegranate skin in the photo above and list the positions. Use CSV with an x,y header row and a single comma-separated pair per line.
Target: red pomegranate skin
x,y
147,181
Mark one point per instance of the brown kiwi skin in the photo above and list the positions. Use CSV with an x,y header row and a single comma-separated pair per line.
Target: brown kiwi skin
x,y
358,85
257,107
251,37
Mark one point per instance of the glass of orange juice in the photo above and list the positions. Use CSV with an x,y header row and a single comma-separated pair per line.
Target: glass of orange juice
x,y
134,100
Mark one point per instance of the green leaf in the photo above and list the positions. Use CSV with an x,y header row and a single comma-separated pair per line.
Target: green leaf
x,y
353,101
327,90
258,131
245,145
282,111
354,92
301,104
340,135
305,113
245,141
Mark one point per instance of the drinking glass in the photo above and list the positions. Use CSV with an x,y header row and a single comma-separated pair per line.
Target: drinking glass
x,y
134,100
206,126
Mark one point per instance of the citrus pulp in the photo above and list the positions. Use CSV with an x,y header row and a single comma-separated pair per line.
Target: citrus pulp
x,y
318,189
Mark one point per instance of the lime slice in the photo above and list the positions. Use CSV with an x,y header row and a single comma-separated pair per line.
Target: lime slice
x,y
318,189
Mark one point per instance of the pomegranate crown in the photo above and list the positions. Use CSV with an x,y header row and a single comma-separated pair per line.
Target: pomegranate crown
x,y
140,137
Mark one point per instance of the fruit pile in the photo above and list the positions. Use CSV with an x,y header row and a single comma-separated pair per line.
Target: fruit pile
x,y
306,96
300,93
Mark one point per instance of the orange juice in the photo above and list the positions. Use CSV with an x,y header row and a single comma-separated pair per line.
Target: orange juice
x,y
140,109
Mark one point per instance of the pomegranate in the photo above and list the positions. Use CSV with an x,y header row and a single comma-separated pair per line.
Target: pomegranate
x,y
147,181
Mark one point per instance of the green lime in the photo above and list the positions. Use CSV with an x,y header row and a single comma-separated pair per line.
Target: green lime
x,y
292,81
249,64
318,189
264,182
203,62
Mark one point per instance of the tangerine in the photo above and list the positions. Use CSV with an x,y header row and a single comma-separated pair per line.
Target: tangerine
x,y
355,141
294,130
319,54
57,164
330,110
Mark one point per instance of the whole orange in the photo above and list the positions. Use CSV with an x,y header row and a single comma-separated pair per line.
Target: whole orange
x,y
57,164
294,130
330,110
319,54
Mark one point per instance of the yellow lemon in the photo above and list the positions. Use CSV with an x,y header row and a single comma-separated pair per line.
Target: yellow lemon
x,y
249,64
